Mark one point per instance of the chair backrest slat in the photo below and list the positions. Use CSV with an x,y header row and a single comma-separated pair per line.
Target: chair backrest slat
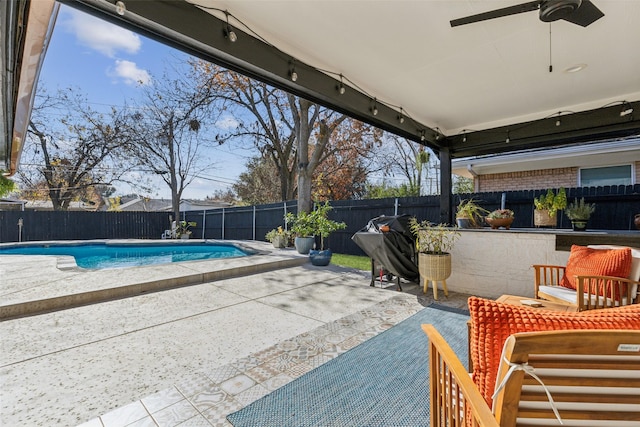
x,y
602,384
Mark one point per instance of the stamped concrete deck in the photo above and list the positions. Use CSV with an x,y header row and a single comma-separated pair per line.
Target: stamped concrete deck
x,y
184,356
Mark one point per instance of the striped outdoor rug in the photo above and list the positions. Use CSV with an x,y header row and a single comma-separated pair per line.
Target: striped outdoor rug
x,y
381,382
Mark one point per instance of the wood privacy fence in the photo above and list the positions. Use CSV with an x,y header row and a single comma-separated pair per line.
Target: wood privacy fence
x,y
615,209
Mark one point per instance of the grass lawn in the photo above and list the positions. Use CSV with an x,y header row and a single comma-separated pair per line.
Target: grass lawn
x,y
353,261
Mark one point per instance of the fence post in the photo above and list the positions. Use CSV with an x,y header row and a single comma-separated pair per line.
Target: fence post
x,y
204,222
254,222
395,207
286,226
222,224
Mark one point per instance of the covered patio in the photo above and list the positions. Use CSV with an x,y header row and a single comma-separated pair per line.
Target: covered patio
x,y
509,83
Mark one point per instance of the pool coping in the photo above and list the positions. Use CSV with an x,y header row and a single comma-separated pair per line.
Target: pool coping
x,y
264,258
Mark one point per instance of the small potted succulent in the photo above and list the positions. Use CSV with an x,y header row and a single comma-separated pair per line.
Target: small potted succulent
x,y
500,218
579,213
279,237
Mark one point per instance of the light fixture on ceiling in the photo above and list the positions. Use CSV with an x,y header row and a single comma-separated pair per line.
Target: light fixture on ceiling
x,y
120,8
292,73
401,116
422,135
558,121
626,109
464,135
374,108
508,140
228,31
575,68
341,88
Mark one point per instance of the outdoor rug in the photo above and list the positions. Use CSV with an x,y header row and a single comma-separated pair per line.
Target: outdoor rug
x,y
381,382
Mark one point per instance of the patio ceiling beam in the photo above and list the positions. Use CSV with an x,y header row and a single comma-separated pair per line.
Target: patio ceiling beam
x,y
190,29
583,127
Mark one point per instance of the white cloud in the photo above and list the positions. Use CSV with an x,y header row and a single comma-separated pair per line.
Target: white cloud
x,y
130,73
102,36
227,122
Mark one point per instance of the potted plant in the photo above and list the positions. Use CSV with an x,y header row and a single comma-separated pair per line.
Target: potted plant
x,y
468,213
546,207
303,228
323,227
500,218
579,213
183,229
433,243
279,237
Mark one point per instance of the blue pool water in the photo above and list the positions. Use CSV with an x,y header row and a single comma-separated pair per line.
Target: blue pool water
x,y
100,255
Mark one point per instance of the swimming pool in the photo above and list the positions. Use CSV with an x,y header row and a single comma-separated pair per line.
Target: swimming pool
x,y
105,255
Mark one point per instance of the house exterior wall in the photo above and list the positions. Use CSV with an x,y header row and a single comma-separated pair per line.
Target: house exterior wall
x,y
528,180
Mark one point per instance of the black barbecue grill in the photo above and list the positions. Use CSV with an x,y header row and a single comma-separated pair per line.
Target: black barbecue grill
x,y
388,241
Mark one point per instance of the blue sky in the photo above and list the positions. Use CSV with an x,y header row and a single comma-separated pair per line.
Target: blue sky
x,y
107,63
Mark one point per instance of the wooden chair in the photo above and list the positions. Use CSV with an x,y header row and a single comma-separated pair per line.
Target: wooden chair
x,y
592,376
547,286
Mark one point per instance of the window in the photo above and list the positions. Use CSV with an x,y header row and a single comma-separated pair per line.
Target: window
x,y
611,175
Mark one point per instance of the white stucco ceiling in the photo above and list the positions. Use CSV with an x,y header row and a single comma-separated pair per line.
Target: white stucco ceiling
x,y
470,77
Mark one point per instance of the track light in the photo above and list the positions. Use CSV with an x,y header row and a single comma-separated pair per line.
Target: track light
x,y
120,8
558,122
341,88
422,136
626,111
228,32
508,140
464,136
401,116
292,73
374,108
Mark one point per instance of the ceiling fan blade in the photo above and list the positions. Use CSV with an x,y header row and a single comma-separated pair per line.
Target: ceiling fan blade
x,y
498,13
585,15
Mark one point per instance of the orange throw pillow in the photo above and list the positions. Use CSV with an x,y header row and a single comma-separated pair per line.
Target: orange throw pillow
x,y
493,322
584,261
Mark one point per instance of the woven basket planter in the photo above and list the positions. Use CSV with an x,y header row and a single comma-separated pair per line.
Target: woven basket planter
x,y
434,267
542,218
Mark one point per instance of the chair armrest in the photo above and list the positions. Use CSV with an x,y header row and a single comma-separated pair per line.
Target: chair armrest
x,y
617,292
453,395
547,275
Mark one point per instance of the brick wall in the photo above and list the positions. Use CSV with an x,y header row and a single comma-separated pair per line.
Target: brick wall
x,y
529,180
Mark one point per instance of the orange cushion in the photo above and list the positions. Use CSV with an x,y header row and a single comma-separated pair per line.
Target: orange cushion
x,y
584,261
493,322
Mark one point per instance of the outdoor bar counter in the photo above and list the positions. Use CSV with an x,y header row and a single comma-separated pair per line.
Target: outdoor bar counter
x,y
491,263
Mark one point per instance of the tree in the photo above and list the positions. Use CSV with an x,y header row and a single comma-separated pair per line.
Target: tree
x,y
408,159
6,185
295,134
169,132
68,156
258,185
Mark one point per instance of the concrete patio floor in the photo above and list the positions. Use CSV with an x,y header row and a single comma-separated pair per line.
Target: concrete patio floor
x,y
189,355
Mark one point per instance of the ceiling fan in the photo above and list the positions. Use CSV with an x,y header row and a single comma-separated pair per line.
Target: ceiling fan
x,y
579,12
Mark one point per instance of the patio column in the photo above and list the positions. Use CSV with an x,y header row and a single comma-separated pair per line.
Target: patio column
x,y
446,186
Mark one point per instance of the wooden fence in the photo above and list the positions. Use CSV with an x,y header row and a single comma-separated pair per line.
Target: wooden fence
x,y
615,209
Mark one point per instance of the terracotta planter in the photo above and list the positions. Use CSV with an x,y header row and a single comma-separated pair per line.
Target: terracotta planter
x,y
434,267
496,223
542,218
